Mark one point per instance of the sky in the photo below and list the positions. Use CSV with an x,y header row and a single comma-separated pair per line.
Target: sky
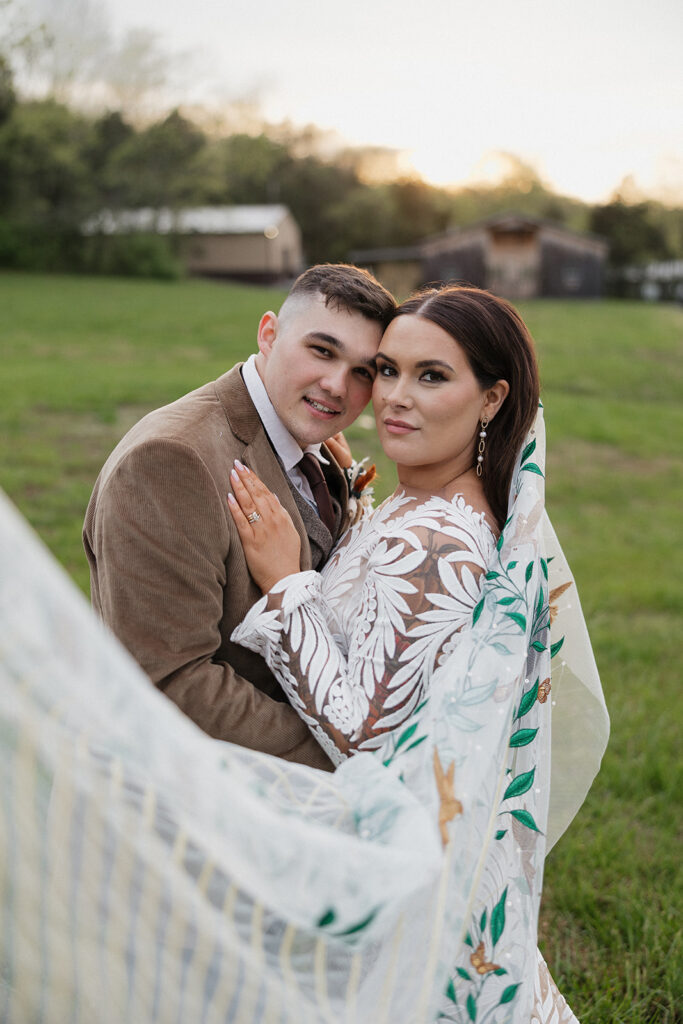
x,y
586,91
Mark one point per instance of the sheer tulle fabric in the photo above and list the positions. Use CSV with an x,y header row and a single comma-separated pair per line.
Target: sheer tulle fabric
x,y
148,872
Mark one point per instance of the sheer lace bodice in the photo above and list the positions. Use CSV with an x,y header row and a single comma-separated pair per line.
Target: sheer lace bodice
x,y
355,646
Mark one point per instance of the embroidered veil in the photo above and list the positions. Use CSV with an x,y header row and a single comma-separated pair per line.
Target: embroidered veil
x,y
148,872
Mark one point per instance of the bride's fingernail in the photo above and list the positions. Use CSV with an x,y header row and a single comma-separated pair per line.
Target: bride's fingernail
x,y
231,498
239,464
233,474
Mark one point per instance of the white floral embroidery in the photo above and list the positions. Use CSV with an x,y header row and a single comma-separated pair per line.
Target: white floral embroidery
x,y
354,647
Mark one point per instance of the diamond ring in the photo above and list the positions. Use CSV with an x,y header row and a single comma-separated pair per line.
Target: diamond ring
x,y
253,517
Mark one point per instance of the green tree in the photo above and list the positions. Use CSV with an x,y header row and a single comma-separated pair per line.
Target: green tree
x,y
8,97
632,231
252,168
45,177
153,167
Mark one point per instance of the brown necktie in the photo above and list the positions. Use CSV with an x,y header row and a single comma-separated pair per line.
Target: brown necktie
x,y
310,467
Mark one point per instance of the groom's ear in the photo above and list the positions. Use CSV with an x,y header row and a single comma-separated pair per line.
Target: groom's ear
x,y
267,332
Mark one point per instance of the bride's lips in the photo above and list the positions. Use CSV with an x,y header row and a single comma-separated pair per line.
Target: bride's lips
x,y
323,410
398,427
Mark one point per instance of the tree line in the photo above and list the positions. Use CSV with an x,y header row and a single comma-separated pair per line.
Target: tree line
x,y
59,166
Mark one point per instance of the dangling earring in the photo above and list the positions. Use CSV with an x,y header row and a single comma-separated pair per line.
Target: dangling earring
x,y
482,446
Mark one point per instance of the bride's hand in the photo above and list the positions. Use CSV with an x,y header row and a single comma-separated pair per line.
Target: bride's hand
x,y
271,544
339,447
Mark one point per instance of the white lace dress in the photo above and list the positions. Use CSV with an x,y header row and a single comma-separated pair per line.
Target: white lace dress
x,y
355,648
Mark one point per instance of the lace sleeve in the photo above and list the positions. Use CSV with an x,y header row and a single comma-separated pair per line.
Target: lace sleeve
x,y
355,670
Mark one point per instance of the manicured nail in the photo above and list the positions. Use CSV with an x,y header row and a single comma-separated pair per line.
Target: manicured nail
x,y
239,464
233,474
231,498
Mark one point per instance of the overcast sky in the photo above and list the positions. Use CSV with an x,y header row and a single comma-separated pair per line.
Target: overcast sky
x,y
588,91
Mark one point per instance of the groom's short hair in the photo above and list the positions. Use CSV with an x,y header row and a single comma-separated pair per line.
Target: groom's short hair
x,y
346,287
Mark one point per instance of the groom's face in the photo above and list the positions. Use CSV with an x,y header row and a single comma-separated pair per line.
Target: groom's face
x,y
317,364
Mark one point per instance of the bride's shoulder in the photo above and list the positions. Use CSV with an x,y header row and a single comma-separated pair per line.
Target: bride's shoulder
x,y
434,514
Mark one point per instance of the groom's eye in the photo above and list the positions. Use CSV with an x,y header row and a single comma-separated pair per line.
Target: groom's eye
x,y
365,372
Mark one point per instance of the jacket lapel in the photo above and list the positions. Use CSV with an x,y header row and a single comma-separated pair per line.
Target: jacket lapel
x,y
245,424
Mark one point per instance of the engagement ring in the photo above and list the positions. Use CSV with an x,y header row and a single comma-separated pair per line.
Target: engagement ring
x,y
253,517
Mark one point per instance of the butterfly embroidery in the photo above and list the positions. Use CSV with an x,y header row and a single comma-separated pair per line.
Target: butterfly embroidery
x,y
480,963
449,806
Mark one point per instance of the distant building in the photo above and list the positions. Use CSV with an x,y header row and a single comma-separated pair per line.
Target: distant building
x,y
512,255
655,282
248,243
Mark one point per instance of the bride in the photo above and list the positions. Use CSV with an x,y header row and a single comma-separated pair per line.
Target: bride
x,y
151,873
362,648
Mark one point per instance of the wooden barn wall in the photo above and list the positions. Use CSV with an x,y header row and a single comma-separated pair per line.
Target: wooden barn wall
x,y
569,272
465,265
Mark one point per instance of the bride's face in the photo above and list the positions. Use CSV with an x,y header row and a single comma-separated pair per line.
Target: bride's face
x,y
427,401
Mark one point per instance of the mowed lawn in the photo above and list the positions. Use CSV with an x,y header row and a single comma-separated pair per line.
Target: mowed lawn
x,y
82,359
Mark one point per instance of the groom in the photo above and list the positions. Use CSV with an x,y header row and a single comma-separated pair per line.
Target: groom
x,y
167,570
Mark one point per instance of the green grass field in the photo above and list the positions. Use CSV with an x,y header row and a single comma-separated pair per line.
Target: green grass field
x,y
81,360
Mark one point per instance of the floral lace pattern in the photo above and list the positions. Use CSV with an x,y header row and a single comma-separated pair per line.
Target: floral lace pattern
x,y
356,645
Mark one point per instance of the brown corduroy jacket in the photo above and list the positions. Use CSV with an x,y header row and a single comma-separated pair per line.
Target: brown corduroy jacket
x,y
168,573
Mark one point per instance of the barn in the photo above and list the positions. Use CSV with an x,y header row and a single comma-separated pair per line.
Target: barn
x,y
512,255
248,243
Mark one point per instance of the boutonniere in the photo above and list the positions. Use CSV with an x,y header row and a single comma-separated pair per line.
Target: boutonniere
x,y
359,478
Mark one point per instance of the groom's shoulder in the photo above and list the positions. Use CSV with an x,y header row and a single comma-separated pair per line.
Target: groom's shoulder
x,y
202,421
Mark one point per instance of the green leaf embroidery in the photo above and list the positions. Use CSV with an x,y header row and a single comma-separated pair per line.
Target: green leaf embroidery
x,y
450,991
327,918
528,700
477,611
468,940
509,993
500,833
405,736
555,647
361,924
471,1007
507,600
529,571
539,606
501,648
498,918
491,575
501,970
544,566
500,542
525,819
538,646
482,920
416,743
518,618
520,784
511,565
529,450
533,468
522,737
463,973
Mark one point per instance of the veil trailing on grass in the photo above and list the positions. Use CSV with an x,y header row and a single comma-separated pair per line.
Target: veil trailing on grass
x,y
148,872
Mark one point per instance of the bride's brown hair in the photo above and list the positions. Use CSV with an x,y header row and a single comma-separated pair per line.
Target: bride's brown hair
x,y
498,346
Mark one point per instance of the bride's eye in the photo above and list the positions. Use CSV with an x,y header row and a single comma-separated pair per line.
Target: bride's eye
x,y
432,376
384,370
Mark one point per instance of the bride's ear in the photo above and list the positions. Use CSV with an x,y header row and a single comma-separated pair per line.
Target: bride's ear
x,y
494,398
